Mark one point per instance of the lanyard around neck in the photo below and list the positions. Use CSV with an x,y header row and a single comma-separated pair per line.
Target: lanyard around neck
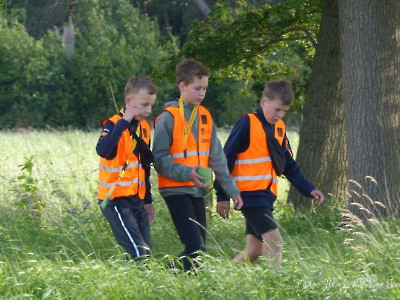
x,y
134,141
186,129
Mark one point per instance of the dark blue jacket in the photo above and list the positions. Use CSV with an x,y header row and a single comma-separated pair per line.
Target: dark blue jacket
x,y
107,148
237,142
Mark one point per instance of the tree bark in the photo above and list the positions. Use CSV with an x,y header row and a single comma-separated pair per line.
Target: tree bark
x,y
322,153
370,41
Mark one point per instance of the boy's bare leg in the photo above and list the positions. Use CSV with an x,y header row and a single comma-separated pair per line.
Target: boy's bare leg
x,y
273,247
254,249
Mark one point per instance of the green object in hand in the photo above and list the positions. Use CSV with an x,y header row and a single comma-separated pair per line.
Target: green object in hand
x,y
107,199
207,174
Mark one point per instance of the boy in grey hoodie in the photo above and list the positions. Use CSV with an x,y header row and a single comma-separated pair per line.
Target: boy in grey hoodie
x,y
185,141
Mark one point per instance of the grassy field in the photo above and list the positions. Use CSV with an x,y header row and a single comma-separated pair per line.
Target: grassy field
x,y
55,244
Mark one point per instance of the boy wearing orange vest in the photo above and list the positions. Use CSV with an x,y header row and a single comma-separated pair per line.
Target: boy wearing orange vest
x,y
185,140
253,163
124,190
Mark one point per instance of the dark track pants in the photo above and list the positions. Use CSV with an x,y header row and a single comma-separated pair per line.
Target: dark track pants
x,y
187,213
131,228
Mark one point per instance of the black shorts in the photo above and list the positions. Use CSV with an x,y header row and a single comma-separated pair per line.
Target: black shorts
x,y
259,220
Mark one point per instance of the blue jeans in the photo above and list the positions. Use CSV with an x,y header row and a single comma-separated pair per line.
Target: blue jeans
x,y
131,228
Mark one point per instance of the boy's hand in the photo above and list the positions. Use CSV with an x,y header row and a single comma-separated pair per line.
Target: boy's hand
x,y
150,211
223,209
317,195
196,177
237,202
130,111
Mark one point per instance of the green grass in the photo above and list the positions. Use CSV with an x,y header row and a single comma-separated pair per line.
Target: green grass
x,y
55,243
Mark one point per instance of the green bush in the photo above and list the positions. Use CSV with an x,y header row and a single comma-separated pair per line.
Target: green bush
x,y
41,86
113,42
25,77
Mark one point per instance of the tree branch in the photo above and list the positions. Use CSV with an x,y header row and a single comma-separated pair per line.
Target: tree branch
x,y
303,29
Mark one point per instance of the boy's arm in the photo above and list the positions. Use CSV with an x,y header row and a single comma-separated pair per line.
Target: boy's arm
x,y
163,162
218,163
238,141
109,138
293,172
148,199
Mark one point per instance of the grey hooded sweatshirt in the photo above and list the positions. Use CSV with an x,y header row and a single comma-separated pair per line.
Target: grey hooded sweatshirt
x,y
164,164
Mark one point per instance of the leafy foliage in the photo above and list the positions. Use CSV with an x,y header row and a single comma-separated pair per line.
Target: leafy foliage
x,y
26,76
27,191
113,42
228,99
258,43
245,43
41,86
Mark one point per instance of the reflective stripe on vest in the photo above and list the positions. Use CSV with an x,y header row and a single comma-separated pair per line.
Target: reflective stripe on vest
x,y
133,182
197,153
253,169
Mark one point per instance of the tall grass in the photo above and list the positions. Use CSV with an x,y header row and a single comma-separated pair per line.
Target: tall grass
x,y
55,244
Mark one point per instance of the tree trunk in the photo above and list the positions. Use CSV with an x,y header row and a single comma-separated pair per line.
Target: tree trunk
x,y
322,152
370,42
203,7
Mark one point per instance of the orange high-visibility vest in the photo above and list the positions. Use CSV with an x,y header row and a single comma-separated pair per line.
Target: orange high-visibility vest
x,y
133,182
253,168
197,153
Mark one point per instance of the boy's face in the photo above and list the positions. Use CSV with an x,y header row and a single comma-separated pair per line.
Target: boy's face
x,y
273,110
141,103
194,93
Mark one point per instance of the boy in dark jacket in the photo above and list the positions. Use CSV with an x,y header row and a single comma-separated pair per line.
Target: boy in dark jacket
x,y
124,190
251,162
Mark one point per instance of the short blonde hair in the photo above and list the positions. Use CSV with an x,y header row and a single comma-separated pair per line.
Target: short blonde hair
x,y
137,83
